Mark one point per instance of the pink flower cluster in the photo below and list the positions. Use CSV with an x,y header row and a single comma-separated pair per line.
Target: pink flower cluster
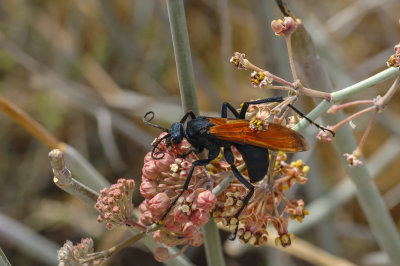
x,y
353,159
260,79
237,60
162,181
325,135
262,207
394,60
69,254
115,204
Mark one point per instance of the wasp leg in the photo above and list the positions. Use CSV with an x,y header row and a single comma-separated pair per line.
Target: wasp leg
x,y
189,151
245,106
211,156
189,113
230,159
224,111
310,121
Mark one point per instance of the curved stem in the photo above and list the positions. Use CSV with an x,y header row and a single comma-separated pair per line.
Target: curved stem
x,y
344,121
367,130
113,250
349,104
383,101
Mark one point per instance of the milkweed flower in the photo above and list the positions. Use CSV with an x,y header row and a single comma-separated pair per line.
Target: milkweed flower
x,y
115,204
162,182
72,255
262,207
237,60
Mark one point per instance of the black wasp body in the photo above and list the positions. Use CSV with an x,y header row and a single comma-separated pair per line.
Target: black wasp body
x,y
198,134
213,134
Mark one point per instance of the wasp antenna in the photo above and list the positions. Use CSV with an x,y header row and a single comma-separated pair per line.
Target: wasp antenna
x,y
153,153
147,120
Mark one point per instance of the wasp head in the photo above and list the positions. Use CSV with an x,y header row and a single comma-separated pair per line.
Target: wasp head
x,y
173,136
177,133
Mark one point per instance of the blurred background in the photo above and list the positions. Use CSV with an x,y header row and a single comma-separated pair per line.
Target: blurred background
x,y
89,70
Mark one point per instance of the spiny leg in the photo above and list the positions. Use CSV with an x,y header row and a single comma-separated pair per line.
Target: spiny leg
x,y
211,156
230,159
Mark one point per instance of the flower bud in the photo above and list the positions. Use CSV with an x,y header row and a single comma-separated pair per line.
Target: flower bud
x,y
161,254
206,200
285,27
159,204
190,231
148,188
198,240
199,217
150,170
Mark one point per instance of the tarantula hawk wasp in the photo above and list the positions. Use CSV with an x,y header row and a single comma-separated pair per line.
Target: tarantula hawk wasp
x,y
212,134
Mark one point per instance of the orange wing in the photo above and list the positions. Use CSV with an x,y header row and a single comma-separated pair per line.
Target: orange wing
x,y
276,137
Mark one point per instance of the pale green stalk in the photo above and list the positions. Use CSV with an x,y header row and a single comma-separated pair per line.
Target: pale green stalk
x,y
180,39
213,247
342,94
3,259
183,58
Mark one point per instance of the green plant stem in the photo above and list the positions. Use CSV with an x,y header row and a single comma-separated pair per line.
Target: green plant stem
x,y
213,247
342,94
314,76
366,83
180,39
3,259
183,58
115,249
